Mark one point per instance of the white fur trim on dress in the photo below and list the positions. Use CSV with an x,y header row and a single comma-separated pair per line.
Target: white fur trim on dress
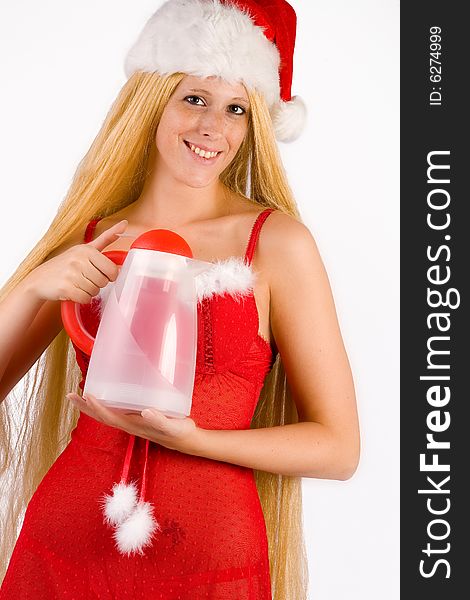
x,y
289,119
231,276
206,38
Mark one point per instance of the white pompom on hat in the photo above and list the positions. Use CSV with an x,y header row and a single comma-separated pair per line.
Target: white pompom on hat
x,y
251,41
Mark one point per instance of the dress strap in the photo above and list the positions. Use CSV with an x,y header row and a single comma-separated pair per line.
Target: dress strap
x,y
255,231
90,229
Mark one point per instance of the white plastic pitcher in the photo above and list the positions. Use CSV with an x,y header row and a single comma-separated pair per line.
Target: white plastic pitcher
x,y
144,353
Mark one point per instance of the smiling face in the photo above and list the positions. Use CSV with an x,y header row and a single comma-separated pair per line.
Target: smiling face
x,y
204,116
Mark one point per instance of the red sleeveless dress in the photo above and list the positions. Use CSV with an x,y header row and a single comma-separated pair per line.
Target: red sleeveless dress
x,y
212,539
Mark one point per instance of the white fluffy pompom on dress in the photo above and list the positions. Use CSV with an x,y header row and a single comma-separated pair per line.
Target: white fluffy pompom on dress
x,y
120,503
136,532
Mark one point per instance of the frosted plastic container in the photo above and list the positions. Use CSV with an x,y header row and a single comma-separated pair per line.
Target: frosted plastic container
x,y
144,354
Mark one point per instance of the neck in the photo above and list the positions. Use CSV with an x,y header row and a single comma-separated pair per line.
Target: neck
x,y
171,203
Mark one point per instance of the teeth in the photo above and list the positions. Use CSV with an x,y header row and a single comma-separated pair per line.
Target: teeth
x,y
203,153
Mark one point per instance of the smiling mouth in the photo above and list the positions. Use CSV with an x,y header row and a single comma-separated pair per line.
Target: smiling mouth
x,y
199,155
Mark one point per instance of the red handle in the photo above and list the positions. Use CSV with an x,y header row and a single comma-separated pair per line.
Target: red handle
x,y
70,312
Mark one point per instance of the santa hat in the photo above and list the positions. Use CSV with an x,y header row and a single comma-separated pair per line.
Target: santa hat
x,y
251,41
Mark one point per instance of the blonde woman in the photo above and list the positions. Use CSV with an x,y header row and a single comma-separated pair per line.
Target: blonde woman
x,y
189,145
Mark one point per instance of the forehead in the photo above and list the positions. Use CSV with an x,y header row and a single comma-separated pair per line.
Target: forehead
x,y
215,86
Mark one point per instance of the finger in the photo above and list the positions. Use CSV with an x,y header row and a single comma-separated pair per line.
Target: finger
x,y
94,409
98,408
95,274
90,406
103,266
110,415
109,235
158,420
87,286
78,295
74,397
80,403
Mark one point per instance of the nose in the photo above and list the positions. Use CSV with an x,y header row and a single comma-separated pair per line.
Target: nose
x,y
211,122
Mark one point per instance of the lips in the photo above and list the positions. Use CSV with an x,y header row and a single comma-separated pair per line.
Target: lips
x,y
201,146
201,159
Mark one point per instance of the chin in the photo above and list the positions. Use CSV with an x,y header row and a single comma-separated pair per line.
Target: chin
x,y
199,182
198,186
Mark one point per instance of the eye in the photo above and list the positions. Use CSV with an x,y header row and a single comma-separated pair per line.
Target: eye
x,y
243,111
192,97
235,108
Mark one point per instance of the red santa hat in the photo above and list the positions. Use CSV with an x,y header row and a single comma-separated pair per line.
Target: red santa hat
x,y
251,41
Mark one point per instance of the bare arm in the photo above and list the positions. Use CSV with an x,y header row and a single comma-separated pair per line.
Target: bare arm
x,y
30,316
325,444
28,324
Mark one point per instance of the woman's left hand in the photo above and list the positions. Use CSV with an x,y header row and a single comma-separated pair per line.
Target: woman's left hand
x,y
180,434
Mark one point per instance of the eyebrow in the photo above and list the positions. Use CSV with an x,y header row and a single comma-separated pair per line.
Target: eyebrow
x,y
209,94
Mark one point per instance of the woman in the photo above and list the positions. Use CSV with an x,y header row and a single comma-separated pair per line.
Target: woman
x,y
273,393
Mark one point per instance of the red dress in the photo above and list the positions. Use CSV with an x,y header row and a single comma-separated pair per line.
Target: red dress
x,y
212,540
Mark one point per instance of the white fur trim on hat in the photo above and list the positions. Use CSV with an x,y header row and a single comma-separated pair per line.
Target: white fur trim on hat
x,y
289,119
206,38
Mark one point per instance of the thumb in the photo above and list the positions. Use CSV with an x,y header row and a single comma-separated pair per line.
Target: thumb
x,y
109,235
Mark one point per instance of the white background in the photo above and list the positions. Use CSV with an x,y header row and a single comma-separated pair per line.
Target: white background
x,y
61,65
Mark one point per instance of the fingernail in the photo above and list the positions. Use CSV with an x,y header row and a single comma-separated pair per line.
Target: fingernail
x,y
147,414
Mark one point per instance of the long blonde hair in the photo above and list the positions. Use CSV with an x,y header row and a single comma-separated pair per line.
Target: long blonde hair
x,y
110,177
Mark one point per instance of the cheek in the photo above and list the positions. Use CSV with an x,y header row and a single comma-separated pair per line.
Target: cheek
x,y
237,137
169,128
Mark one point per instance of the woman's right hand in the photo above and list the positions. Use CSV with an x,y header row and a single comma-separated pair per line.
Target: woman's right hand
x,y
79,272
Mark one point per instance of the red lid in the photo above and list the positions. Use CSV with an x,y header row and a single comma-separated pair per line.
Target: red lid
x,y
163,240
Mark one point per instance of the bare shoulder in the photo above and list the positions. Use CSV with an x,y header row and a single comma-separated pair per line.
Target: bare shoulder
x,y
286,243
291,228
